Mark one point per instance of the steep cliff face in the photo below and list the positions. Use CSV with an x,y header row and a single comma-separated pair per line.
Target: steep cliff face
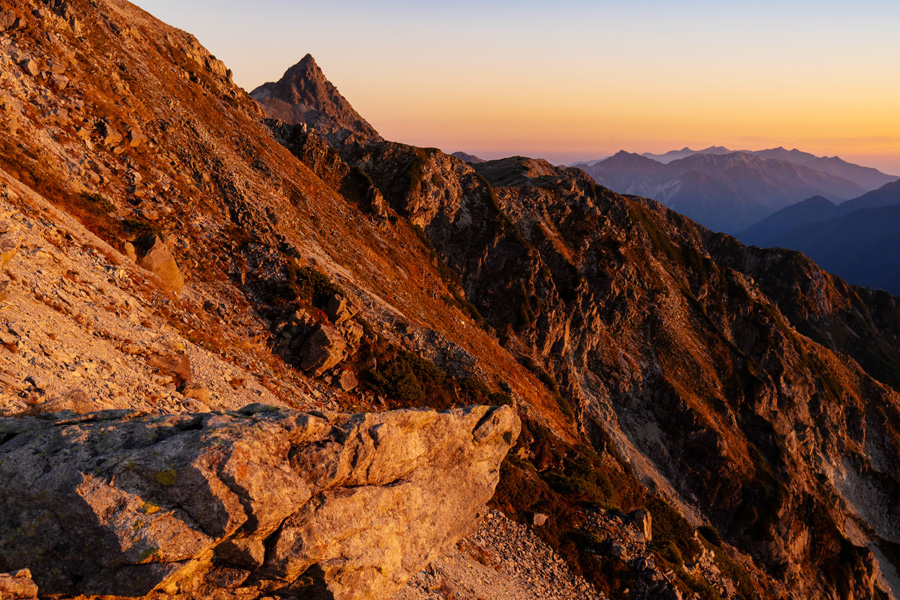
x,y
685,347
775,439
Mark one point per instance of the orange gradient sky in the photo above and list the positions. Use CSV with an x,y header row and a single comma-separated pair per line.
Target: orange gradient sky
x,y
577,80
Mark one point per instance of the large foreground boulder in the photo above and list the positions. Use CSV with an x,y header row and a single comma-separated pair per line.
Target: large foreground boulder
x,y
258,501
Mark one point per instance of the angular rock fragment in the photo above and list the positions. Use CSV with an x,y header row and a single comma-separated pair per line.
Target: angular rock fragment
x,y
642,520
322,349
337,309
352,332
135,137
196,392
10,240
109,136
129,251
154,255
8,341
217,67
7,20
30,67
348,381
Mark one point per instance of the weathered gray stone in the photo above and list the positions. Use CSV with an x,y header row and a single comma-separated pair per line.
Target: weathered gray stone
x,y
123,505
322,349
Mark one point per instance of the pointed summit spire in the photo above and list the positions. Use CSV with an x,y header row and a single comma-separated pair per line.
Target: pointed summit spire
x,y
304,95
304,83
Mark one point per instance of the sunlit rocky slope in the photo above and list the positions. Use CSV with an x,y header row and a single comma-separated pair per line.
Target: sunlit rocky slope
x,y
696,417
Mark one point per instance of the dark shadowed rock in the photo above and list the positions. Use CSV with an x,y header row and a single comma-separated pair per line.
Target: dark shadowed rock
x,y
337,309
322,349
642,520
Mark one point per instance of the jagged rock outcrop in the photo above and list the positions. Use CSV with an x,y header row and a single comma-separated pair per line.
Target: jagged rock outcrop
x,y
714,361
326,162
255,501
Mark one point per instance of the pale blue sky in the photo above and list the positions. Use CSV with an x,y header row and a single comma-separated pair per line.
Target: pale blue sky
x,y
576,79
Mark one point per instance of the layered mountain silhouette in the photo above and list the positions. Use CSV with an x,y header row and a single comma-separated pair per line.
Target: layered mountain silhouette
x,y
671,155
772,229
857,239
729,191
865,177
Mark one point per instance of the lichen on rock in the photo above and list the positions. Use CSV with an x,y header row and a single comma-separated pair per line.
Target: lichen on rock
x,y
112,503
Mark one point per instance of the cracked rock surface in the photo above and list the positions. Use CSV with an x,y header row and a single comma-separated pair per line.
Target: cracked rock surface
x,y
253,501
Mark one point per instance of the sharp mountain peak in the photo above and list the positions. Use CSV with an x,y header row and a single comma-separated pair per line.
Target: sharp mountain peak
x,y
303,74
305,95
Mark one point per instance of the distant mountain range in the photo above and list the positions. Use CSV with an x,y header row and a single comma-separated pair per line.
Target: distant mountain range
x,y
858,240
729,191
684,153
469,158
